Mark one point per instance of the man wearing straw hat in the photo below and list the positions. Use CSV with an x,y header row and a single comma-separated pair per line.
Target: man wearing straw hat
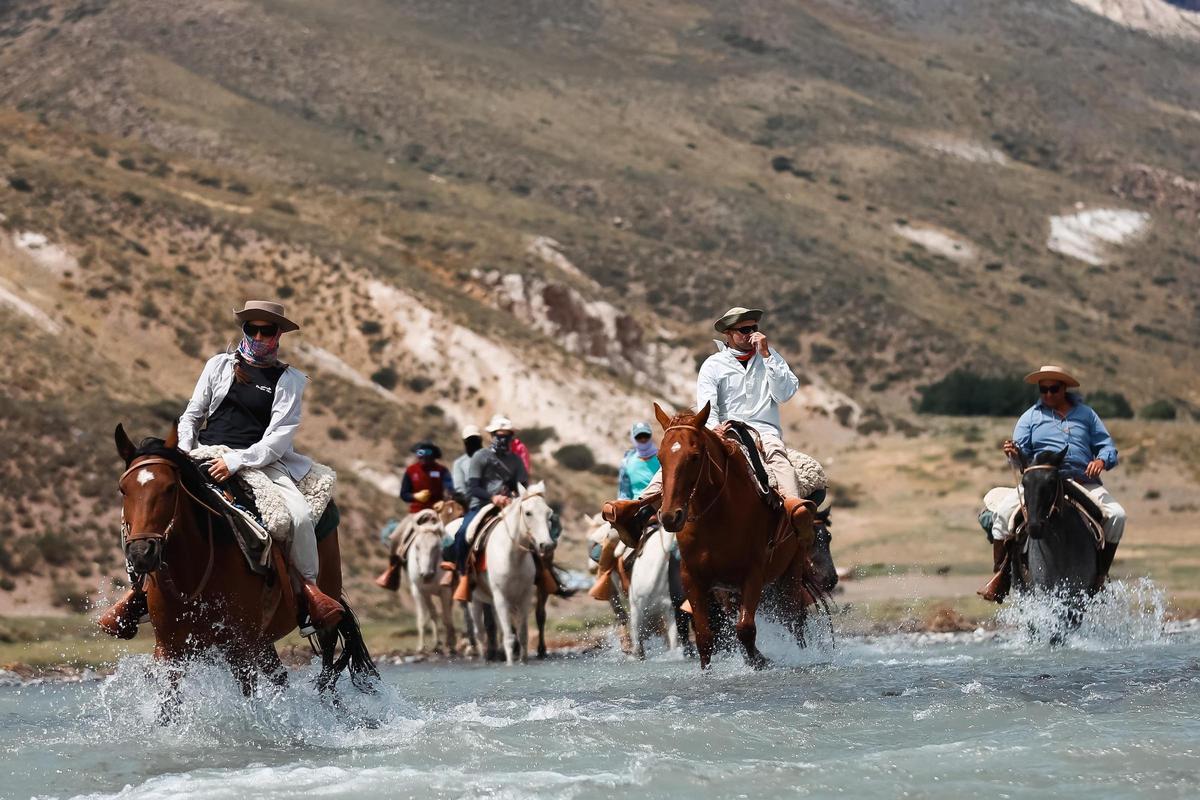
x,y
1059,419
745,380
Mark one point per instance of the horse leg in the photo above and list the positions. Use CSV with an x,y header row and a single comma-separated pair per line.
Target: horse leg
x,y
637,625
448,633
469,628
270,666
681,618
172,698
504,620
699,595
539,613
493,637
747,630
422,616
521,623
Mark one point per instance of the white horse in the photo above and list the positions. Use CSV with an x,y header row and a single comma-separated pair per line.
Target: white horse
x,y
422,567
523,528
650,592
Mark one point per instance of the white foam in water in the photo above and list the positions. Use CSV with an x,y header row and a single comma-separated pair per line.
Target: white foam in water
x,y
1122,615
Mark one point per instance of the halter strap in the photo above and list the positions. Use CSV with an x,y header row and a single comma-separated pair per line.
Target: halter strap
x,y
696,487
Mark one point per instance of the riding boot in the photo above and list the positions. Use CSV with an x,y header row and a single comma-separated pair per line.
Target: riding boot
x,y
997,588
121,620
602,590
462,593
799,515
447,578
1104,560
323,610
390,579
629,517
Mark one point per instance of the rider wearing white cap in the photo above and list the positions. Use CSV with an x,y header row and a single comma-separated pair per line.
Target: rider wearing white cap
x,y
472,441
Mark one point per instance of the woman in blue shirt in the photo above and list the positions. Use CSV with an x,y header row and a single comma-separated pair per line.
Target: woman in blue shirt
x,y
638,468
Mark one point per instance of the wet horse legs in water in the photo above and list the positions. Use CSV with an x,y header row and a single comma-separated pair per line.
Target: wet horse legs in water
x,y
747,630
539,613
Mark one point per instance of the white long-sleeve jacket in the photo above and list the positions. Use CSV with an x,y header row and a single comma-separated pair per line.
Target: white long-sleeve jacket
x,y
750,394
276,443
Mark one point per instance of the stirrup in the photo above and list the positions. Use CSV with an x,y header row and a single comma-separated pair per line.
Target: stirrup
x,y
307,628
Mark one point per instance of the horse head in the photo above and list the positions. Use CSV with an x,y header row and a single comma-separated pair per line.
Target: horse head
x,y
425,552
684,457
150,498
535,517
1042,486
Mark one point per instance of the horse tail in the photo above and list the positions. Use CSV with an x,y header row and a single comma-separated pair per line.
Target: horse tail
x,y
820,598
354,655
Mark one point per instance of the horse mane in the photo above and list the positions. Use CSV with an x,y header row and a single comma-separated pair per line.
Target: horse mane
x,y
189,470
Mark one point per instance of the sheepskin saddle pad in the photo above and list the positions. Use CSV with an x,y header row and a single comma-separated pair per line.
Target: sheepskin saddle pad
x,y
268,506
810,476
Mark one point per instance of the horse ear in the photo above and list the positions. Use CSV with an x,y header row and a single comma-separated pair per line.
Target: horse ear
x,y
172,441
701,418
661,416
125,447
1057,460
521,490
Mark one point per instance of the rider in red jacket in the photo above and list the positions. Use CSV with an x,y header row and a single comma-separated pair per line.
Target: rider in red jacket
x,y
426,480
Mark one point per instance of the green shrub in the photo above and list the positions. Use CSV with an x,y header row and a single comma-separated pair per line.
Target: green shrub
x,y
418,383
370,327
1110,405
337,434
283,207
964,393
385,377
1159,410
534,438
577,457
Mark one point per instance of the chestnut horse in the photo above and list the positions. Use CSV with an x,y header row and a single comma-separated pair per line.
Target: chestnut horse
x,y
202,595
729,538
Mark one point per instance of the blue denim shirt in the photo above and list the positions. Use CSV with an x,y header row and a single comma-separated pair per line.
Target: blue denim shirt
x,y
1083,434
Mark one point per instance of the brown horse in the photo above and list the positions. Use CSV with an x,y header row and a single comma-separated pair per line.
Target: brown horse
x,y
202,595
729,538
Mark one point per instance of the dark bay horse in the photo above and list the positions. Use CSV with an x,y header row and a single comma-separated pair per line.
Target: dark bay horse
x,y
1058,552
202,595
729,538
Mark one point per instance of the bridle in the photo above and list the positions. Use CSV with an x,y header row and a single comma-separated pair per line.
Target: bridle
x,y
1058,493
162,575
696,486
525,534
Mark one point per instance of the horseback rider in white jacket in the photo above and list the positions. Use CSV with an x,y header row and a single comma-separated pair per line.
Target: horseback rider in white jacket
x,y
746,380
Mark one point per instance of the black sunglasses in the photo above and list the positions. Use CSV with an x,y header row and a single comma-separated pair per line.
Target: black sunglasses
x,y
747,329
1052,389
252,330
642,437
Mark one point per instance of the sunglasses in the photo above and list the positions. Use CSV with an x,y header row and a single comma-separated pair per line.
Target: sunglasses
x,y
252,330
747,329
1052,389
642,437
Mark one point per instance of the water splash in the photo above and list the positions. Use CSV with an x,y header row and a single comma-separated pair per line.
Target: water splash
x,y
1122,615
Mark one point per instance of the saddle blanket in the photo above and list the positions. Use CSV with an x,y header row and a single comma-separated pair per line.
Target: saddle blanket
x,y
317,487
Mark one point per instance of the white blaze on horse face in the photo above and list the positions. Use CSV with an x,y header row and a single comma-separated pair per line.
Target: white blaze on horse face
x,y
144,477
675,448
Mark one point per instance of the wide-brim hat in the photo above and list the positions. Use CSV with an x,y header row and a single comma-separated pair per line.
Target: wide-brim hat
x,y
500,423
735,315
265,309
1053,373
471,430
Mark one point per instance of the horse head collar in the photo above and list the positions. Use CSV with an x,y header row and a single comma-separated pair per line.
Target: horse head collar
x,y
1042,491
150,506
687,464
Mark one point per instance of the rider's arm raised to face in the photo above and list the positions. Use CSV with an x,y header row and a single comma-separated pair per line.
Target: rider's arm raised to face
x,y
708,384
781,381
1103,446
285,420
197,408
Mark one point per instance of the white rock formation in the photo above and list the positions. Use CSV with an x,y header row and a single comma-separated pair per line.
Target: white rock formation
x,y
1152,16
1089,234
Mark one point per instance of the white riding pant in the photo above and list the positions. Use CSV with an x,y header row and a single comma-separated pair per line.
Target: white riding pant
x,y
1114,514
304,532
775,459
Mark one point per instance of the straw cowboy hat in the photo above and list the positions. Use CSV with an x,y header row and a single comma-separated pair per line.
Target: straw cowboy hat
x,y
265,309
1050,372
500,423
735,315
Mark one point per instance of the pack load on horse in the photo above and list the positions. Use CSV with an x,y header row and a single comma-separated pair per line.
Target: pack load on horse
x,y
419,541
507,546
179,515
739,390
1058,530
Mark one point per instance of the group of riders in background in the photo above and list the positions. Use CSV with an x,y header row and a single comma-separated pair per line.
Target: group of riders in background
x,y
247,404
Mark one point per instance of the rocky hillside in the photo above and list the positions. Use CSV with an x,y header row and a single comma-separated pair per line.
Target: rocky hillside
x,y
537,208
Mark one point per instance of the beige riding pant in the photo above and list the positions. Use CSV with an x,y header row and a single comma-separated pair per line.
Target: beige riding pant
x,y
775,459
1114,514
304,532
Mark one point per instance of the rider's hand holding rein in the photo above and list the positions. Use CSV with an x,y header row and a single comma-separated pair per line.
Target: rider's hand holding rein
x,y
219,470
501,500
1010,448
1094,468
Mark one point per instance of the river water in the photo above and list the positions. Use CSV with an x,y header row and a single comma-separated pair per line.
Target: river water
x,y
1113,713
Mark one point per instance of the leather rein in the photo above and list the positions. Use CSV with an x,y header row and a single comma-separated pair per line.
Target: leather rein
x,y
162,575
696,487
